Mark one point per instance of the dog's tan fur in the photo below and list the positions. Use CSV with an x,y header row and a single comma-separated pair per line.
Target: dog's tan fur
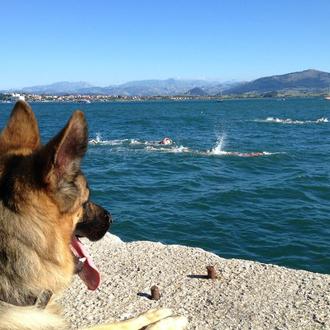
x,y
42,193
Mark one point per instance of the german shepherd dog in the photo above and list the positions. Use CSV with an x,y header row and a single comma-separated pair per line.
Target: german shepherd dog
x,y
44,209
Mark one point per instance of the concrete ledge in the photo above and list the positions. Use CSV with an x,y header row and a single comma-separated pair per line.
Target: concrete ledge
x,y
247,295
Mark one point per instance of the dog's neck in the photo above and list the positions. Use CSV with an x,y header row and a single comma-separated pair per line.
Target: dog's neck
x,y
40,301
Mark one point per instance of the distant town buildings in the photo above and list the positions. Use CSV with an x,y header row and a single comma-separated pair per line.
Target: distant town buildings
x,y
13,97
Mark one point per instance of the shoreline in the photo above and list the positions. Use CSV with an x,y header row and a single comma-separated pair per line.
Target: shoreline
x,y
245,295
103,98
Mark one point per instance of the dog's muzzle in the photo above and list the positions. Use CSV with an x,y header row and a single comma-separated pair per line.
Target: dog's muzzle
x,y
95,222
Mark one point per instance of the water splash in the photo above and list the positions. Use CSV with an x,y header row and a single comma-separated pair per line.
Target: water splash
x,y
218,148
173,148
97,140
116,142
292,121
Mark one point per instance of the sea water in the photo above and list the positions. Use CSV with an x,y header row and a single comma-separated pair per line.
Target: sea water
x,y
242,178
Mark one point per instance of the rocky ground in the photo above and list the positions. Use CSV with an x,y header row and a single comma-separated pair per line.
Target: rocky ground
x,y
246,295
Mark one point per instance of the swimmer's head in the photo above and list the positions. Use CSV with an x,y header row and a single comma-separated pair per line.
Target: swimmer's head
x,y
166,140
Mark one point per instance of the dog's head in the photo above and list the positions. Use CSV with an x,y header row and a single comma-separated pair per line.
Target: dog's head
x,y
44,199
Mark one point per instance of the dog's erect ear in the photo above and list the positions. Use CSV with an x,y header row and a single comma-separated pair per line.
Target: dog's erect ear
x,y
60,158
21,131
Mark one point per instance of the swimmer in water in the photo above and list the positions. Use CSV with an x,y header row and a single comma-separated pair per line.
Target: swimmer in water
x,y
166,141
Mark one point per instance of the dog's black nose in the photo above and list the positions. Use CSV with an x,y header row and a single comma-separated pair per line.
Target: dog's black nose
x,y
108,217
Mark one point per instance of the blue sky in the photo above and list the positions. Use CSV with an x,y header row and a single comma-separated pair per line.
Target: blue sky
x,y
107,41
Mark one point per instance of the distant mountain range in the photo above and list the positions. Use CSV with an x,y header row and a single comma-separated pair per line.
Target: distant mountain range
x,y
58,87
307,81
134,88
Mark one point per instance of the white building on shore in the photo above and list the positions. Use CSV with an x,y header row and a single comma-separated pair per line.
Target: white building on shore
x,y
14,97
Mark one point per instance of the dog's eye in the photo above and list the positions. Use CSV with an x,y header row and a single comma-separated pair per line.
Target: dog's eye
x,y
84,205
